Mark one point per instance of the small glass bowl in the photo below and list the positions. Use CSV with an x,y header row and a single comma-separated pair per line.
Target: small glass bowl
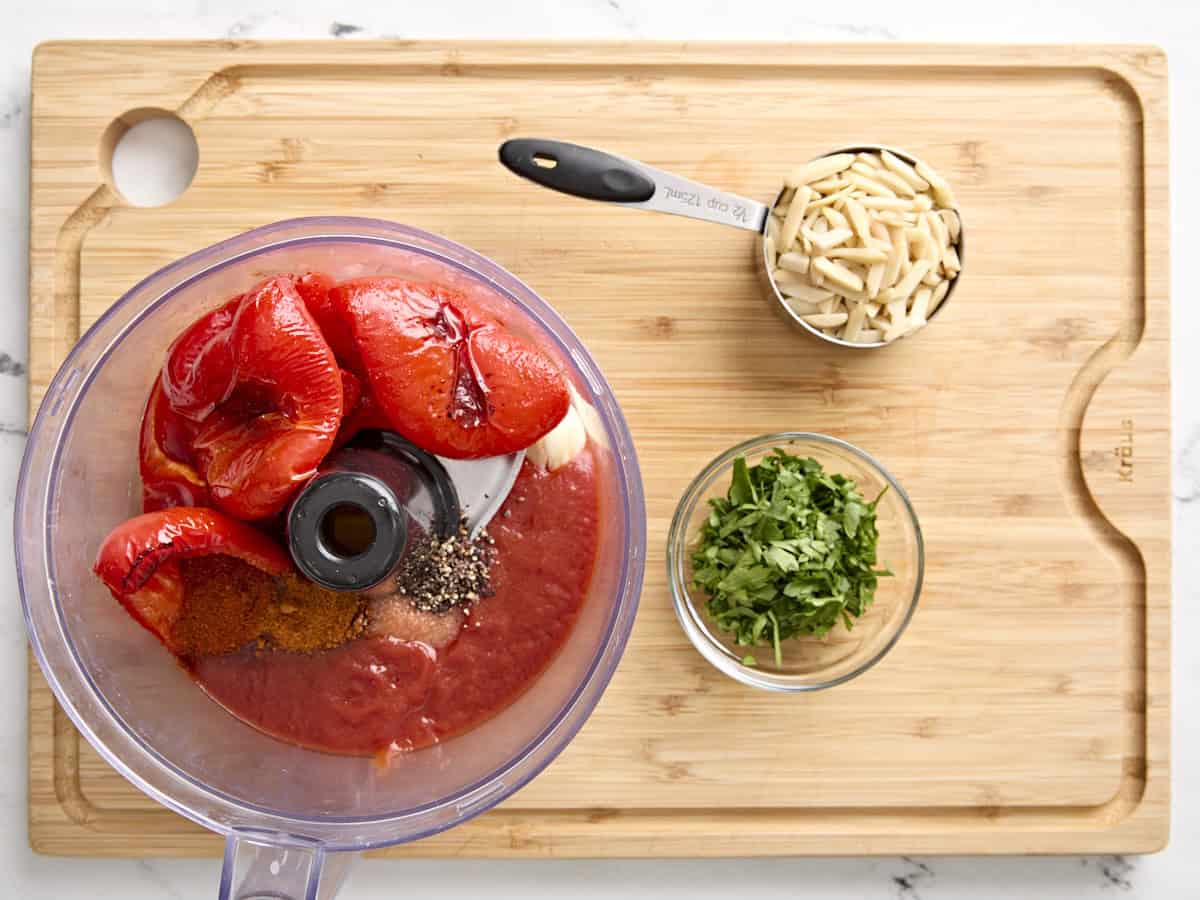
x,y
809,663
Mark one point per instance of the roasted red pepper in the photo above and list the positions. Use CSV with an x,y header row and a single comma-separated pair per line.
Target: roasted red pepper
x,y
314,288
200,370
164,456
352,392
266,393
446,375
139,560
362,412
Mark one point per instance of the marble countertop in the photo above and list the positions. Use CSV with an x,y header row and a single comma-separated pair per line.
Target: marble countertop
x,y
1171,24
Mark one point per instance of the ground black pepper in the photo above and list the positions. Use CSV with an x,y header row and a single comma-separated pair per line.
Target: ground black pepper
x,y
438,575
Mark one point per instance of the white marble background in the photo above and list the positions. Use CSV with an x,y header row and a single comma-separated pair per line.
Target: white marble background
x,y
1172,24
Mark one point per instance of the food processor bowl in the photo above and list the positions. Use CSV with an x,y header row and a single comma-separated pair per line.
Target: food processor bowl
x,y
288,813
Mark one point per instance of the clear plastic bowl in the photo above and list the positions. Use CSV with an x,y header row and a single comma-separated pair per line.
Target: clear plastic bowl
x,y
808,663
282,807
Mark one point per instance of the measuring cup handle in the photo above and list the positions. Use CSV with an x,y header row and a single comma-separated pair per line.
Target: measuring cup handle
x,y
575,170
596,175
259,865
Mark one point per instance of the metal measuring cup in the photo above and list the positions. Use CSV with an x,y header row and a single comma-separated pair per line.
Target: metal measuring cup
x,y
598,175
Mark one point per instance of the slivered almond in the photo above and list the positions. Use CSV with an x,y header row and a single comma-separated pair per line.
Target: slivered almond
x,y
837,273
930,248
859,220
796,212
834,218
920,307
829,185
810,219
938,228
950,219
827,320
806,292
830,239
869,336
937,185
875,279
870,185
818,169
950,262
830,199
851,297
904,288
800,307
794,262
897,257
859,254
904,170
854,323
896,183
785,278
797,285
892,204
918,243
939,294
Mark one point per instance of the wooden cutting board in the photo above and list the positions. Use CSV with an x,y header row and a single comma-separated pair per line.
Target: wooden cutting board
x,y
1026,709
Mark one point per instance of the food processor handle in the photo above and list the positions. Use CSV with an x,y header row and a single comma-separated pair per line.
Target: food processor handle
x,y
597,175
266,866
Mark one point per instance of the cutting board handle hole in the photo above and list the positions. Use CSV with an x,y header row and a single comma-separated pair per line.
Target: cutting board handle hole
x,y
543,161
149,156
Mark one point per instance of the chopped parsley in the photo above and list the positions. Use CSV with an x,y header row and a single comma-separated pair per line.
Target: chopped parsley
x,y
789,550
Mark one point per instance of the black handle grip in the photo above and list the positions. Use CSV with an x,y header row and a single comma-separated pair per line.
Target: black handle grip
x,y
575,170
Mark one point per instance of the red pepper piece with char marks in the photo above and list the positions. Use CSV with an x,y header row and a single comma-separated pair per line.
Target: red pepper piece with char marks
x,y
269,416
139,560
446,375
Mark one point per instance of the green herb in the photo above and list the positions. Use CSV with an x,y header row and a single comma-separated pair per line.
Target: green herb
x,y
789,550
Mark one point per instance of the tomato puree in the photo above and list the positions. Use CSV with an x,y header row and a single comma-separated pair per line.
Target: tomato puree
x,y
379,693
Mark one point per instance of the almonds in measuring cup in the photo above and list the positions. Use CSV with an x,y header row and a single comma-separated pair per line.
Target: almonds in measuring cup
x,y
864,246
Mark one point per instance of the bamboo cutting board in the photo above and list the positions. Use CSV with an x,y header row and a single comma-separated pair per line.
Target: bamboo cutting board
x,y
1026,709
